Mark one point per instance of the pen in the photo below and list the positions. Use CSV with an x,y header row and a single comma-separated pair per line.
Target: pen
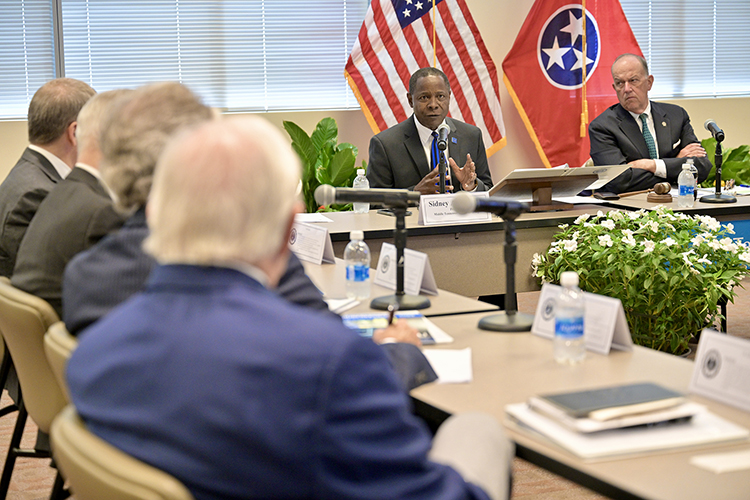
x,y
392,308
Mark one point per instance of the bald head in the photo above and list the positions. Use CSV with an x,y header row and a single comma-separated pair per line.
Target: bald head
x,y
224,192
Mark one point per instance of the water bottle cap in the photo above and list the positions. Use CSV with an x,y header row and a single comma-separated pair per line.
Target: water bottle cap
x,y
685,166
360,171
356,235
569,278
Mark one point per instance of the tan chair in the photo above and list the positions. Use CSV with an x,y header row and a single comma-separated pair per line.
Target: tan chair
x,y
5,366
59,344
95,469
24,319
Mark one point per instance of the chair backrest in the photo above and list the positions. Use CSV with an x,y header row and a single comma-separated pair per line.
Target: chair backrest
x,y
59,344
24,319
95,469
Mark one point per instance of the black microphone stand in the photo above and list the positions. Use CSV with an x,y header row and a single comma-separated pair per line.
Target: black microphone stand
x,y
718,197
442,166
404,301
509,320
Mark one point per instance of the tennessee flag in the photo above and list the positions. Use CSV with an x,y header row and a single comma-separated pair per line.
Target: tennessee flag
x,y
544,72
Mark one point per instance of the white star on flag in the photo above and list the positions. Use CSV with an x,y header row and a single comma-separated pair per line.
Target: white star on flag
x,y
407,12
556,54
575,28
579,63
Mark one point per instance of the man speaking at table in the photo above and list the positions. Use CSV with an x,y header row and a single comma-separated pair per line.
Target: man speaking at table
x,y
654,138
406,155
211,376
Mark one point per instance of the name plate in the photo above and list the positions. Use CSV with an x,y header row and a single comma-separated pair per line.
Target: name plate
x,y
311,243
722,369
604,323
417,271
438,209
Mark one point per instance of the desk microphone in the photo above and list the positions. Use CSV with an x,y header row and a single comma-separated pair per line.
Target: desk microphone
x,y
716,132
464,203
443,130
326,194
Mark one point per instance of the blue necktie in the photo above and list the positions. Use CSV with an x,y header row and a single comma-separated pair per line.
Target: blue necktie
x,y
648,137
435,160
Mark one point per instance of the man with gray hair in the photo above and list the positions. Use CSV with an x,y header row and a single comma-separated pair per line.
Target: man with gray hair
x,y
48,159
75,215
292,404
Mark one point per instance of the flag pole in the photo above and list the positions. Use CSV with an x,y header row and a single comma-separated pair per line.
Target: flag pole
x,y
585,104
434,35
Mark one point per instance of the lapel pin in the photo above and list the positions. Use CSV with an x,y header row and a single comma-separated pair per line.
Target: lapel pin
x,y
454,140
663,124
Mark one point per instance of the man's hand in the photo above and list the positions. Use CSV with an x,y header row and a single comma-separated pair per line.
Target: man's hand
x,y
694,149
430,183
400,331
645,164
466,175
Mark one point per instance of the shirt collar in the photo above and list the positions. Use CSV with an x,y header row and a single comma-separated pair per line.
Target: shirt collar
x,y
425,134
61,167
637,116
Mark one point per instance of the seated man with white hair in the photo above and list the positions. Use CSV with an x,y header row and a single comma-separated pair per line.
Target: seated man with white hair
x,y
211,376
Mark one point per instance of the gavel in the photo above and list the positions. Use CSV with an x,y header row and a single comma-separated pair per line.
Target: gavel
x,y
660,188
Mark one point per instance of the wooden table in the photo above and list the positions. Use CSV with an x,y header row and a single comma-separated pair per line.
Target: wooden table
x,y
466,258
509,368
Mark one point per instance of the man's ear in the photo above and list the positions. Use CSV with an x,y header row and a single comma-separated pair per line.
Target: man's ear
x,y
408,99
70,133
650,81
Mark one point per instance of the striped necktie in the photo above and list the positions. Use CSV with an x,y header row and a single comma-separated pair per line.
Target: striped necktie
x,y
648,137
435,160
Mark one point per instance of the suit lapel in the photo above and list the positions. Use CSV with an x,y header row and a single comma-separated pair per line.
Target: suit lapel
x,y
631,130
416,150
662,126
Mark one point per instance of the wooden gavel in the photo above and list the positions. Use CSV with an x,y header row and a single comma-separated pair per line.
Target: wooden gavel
x,y
660,188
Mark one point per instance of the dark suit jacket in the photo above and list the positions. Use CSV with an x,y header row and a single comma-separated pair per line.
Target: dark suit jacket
x,y
616,140
238,393
75,215
21,192
397,158
99,279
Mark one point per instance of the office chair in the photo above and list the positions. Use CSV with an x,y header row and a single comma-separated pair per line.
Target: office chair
x,y
58,346
95,469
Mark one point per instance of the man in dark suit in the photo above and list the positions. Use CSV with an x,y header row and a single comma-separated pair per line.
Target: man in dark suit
x,y
655,153
76,214
48,159
400,157
293,404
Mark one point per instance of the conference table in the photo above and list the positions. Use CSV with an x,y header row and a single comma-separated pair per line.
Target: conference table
x,y
331,281
509,368
466,258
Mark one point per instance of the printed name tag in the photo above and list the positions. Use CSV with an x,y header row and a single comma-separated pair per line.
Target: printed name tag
x,y
417,271
311,243
438,209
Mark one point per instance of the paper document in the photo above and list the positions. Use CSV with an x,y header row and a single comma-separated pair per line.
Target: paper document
x,y
452,366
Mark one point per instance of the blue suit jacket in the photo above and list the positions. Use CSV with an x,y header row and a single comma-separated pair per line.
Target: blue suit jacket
x,y
241,394
102,277
397,158
616,139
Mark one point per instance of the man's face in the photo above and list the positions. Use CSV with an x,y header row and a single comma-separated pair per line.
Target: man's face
x,y
631,84
430,101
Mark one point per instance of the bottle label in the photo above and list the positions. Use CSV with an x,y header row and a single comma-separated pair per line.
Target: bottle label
x,y
357,272
569,327
686,189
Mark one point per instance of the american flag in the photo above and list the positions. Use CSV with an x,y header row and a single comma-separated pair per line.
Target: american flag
x,y
396,39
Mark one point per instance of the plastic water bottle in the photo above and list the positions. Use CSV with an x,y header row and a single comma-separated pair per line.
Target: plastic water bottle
x,y
694,171
361,182
357,259
686,183
569,311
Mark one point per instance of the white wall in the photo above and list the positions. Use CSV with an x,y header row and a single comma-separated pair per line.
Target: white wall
x,y
499,22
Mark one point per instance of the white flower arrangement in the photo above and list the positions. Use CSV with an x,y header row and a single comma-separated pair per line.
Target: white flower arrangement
x,y
668,269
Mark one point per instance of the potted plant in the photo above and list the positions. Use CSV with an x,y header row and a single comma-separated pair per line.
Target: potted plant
x,y
324,161
668,269
735,163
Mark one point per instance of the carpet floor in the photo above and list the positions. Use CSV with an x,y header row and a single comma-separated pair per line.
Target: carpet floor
x,y
33,478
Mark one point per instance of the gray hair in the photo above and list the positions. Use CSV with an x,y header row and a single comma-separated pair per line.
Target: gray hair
x,y
54,107
92,116
135,133
640,59
223,192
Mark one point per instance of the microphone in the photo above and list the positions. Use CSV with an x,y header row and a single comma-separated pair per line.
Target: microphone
x,y
443,130
464,203
326,194
716,132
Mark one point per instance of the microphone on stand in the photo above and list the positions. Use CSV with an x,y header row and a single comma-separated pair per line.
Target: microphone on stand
x,y
716,132
464,203
443,131
326,194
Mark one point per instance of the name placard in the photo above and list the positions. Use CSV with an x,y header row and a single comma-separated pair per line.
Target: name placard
x,y
311,243
722,369
417,271
604,323
438,209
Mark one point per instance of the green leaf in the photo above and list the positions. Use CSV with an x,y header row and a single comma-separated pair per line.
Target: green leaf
x,y
325,132
342,166
301,143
